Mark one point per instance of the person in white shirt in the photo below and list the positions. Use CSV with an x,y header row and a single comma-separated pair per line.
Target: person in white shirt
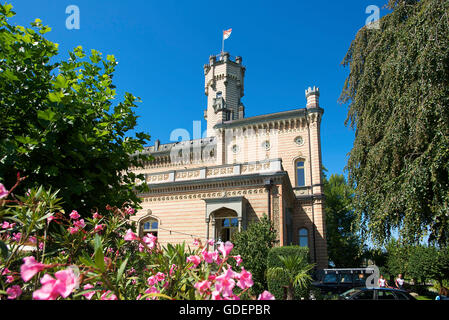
x,y
400,282
382,282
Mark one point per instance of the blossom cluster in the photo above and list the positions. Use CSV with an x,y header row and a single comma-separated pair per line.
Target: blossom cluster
x,y
100,257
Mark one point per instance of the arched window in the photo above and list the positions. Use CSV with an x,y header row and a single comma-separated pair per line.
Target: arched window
x,y
303,239
300,176
150,225
219,94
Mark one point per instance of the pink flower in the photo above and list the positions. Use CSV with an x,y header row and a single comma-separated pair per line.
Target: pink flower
x,y
108,295
129,211
96,215
14,292
50,219
211,277
245,279
66,281
152,281
225,248
73,230
79,223
150,241
32,239
17,236
99,227
195,260
74,215
196,242
172,269
202,286
46,292
265,296
209,257
5,271
131,271
9,279
6,225
152,290
41,245
3,191
216,295
238,260
30,268
225,283
130,235
88,295
211,242
160,276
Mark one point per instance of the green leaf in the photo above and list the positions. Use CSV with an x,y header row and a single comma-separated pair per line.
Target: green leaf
x,y
26,140
55,96
60,82
99,256
3,249
47,115
121,269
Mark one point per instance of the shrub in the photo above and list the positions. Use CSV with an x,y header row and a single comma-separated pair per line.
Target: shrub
x,y
276,284
101,258
253,245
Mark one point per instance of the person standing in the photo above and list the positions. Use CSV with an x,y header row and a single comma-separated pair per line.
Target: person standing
x,y
399,282
382,282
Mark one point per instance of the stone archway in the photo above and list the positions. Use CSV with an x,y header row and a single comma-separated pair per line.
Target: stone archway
x,y
225,223
226,215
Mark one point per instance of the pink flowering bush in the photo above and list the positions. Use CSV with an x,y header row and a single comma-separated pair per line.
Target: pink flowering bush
x,y
47,254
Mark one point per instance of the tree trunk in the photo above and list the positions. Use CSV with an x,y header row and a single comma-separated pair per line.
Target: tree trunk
x,y
290,292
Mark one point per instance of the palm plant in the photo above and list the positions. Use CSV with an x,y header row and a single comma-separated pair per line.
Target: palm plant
x,y
296,269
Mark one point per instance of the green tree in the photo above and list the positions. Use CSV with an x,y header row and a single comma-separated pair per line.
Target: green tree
x,y
398,255
296,269
398,96
253,245
344,244
58,124
428,263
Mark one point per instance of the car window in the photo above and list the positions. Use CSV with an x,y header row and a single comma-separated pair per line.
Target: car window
x,y
401,296
360,278
346,278
385,295
364,295
330,277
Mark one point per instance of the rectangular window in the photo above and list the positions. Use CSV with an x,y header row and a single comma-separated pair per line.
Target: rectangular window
x,y
300,177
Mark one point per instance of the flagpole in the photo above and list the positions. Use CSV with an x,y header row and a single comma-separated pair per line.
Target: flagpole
x,y
222,43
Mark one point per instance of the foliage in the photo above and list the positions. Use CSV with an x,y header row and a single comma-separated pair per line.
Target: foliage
x,y
296,270
428,262
344,244
100,257
253,245
277,282
398,96
398,256
58,125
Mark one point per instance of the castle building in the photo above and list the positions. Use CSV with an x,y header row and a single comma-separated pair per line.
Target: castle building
x,y
245,168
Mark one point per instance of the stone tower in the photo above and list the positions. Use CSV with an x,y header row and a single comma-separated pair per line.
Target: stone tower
x,y
224,90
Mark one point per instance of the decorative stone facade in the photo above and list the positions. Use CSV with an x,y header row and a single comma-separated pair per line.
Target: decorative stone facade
x,y
245,168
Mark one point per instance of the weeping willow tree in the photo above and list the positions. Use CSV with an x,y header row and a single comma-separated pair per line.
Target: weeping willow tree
x,y
397,93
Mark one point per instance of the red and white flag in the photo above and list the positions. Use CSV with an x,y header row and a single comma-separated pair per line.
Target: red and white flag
x,y
227,34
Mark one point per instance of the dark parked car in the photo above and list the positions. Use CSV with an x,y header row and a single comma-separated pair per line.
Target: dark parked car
x,y
337,281
376,294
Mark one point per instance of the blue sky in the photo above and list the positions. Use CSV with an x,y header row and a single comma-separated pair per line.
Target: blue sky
x,y
162,46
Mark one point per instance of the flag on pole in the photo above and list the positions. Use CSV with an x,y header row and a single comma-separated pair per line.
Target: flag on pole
x,y
227,34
